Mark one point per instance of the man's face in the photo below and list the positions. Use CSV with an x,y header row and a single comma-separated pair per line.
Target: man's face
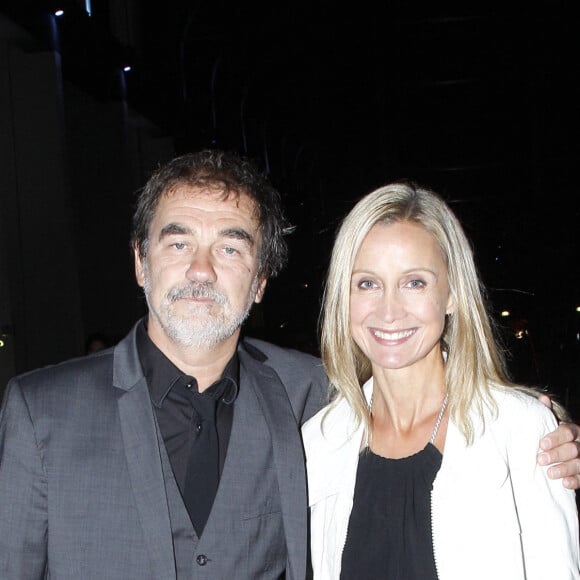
x,y
200,275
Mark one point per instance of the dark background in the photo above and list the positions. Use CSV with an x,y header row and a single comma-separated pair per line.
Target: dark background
x,y
478,102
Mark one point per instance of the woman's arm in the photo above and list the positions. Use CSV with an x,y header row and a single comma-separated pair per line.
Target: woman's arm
x,y
546,511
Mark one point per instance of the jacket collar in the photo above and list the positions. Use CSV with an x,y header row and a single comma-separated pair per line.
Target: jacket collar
x,y
139,431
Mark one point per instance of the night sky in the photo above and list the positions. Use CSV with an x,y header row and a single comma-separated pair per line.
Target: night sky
x,y
479,103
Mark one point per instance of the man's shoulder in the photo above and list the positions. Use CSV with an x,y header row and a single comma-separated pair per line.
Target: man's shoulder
x,y
302,374
268,352
83,370
71,370
287,362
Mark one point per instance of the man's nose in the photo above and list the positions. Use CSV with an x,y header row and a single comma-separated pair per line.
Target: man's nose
x,y
201,267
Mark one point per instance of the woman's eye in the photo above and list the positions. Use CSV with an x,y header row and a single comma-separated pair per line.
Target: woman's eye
x,y
366,284
416,284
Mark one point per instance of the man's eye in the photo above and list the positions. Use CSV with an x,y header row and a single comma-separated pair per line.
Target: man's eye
x,y
178,245
231,251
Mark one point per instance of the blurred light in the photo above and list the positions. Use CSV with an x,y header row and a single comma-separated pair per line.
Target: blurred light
x,y
2,343
577,308
305,285
88,7
58,12
519,334
505,313
127,68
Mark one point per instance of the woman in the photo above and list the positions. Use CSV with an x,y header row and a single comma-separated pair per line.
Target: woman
x,y
429,470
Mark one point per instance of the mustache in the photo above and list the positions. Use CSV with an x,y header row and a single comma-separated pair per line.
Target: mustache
x,y
205,290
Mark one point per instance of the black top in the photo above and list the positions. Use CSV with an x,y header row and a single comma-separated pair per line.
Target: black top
x,y
182,413
389,532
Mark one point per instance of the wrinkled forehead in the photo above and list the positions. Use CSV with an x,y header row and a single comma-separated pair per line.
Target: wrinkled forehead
x,y
218,191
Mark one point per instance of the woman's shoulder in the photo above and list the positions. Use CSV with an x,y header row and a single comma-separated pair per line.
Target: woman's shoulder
x,y
325,427
518,398
519,410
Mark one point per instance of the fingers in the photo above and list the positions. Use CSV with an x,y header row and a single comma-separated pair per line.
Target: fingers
x,y
568,471
546,400
571,482
567,453
565,433
561,451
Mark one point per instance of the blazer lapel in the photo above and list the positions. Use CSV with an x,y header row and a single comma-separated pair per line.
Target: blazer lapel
x,y
139,430
288,456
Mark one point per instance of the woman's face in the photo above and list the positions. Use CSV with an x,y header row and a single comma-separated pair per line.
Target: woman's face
x,y
399,296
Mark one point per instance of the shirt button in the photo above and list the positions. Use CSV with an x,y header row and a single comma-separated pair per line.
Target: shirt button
x,y
202,559
198,427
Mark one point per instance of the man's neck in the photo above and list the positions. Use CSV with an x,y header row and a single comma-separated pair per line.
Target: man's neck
x,y
205,364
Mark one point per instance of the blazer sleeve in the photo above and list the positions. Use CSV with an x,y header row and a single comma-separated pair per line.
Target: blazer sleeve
x,y
23,492
546,510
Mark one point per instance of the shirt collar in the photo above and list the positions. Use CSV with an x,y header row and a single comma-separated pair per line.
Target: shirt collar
x,y
162,375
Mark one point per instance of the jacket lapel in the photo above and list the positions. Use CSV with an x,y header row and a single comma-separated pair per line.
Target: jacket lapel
x,y
139,430
288,456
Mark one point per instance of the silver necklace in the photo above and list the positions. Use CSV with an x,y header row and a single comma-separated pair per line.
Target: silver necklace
x,y
439,417
437,422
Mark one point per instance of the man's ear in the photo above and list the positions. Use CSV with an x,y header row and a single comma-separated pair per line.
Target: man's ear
x,y
139,266
260,290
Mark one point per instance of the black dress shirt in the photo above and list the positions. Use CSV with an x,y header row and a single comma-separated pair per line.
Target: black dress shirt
x,y
174,393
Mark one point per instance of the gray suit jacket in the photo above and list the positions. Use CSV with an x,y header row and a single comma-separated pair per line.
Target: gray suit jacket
x,y
87,492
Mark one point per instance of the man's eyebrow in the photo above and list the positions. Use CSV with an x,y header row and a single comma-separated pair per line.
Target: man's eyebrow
x,y
173,229
238,234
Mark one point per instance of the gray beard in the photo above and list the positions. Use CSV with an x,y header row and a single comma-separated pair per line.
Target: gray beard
x,y
188,331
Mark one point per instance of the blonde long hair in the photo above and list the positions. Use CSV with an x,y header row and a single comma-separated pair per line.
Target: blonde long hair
x,y
474,360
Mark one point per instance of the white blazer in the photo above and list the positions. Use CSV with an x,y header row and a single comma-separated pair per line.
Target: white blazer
x,y
495,513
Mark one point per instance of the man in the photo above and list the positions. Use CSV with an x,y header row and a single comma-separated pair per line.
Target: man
x,y
176,454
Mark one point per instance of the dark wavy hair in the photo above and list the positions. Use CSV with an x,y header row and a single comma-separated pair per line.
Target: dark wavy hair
x,y
232,174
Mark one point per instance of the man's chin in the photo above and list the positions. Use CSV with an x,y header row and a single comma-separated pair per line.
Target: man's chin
x,y
185,308
186,326
199,337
